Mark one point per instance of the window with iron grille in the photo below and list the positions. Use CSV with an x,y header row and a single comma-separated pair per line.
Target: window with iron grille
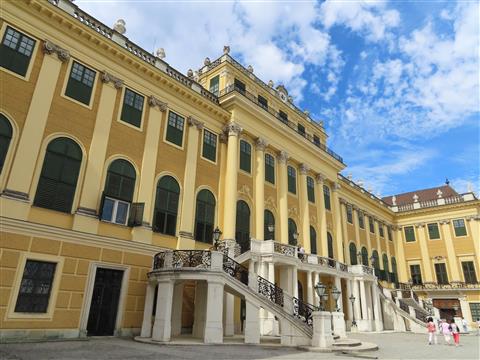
x,y
269,168
371,225
326,197
214,85
469,272
16,51
409,233
36,286
209,150
380,229
441,272
262,102
245,156
292,180
361,222
5,138
80,83
459,226
310,189
283,116
132,108
350,214
433,232
416,274
175,128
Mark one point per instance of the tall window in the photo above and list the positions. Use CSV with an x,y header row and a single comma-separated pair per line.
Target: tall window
x,y
316,140
350,214
433,232
364,256
16,51
371,225
353,254
292,232
35,287
301,129
5,138
361,222
214,85
380,229
475,310
385,263
283,116
469,272
292,180
330,245
269,168
245,156
389,233
80,83
313,240
376,262
262,102
416,274
459,226
118,192
166,206
239,86
326,197
394,278
209,150
409,233
132,108
242,227
204,216
269,225
441,272
58,179
175,128
310,189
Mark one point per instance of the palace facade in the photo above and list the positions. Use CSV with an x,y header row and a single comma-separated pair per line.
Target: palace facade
x,y
117,173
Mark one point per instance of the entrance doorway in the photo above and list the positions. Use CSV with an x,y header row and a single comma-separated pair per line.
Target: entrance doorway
x,y
104,305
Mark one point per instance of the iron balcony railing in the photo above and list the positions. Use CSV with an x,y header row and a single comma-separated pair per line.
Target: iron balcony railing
x,y
231,88
270,291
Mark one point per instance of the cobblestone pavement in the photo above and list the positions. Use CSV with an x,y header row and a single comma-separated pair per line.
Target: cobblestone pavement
x,y
392,346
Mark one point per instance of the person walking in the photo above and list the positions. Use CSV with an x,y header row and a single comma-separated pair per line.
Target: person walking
x,y
432,331
455,332
465,325
446,331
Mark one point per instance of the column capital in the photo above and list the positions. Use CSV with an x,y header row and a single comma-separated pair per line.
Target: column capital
x,y
260,144
223,138
191,121
232,129
282,157
420,225
336,186
343,201
153,101
320,178
50,48
304,168
107,77
444,222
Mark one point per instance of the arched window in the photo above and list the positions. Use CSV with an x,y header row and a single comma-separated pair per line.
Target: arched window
x,y
204,216
58,179
364,256
5,138
313,240
118,192
242,227
166,206
353,254
394,278
292,232
269,226
385,267
326,197
376,262
330,245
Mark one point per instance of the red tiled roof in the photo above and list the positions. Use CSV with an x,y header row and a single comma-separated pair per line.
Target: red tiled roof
x,y
423,195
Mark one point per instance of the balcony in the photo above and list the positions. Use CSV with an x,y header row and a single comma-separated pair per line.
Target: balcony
x,y
253,98
435,202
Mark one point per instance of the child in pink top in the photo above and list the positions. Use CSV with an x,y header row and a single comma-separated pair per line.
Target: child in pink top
x,y
432,331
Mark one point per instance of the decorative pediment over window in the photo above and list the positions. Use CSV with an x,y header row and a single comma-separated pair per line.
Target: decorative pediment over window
x,y
282,91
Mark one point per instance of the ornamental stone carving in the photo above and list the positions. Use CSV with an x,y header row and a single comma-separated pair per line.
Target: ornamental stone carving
x,y
223,138
232,129
153,101
444,222
191,121
420,225
107,77
320,178
293,211
245,190
282,157
260,144
336,186
50,48
226,49
304,168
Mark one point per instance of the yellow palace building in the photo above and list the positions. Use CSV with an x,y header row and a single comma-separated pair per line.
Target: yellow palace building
x,y
119,174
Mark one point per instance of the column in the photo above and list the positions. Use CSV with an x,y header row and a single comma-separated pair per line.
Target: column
x,y
338,284
214,314
162,326
337,221
149,163
29,144
177,309
282,194
309,287
185,239
450,250
389,254
369,239
349,312
230,206
229,314
259,189
377,308
323,248
473,228
400,254
200,302
252,324
379,245
316,299
355,211
343,211
466,312
304,208
358,301
148,311
222,142
427,268
294,281
86,216
363,297
369,300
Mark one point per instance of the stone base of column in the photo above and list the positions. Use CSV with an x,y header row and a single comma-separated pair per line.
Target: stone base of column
x,y
142,234
322,329
339,327
378,325
364,325
17,209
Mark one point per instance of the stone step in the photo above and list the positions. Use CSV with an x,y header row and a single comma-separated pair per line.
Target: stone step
x,y
361,347
347,342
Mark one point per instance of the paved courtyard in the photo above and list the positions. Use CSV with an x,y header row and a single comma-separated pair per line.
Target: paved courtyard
x,y
392,346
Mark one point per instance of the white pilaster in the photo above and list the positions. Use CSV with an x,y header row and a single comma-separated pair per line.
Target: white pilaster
x,y
148,311
177,309
252,325
162,327
213,320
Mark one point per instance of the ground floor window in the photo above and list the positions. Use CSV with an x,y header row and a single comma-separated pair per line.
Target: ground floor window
x,y
475,310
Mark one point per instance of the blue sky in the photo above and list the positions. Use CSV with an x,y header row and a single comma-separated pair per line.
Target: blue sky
x,y
395,82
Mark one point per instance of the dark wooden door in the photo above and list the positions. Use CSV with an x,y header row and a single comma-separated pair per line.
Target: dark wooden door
x,y
105,298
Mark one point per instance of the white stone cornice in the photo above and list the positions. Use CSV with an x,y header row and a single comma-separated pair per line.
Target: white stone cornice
x,y
304,168
107,77
51,48
260,144
191,121
153,101
232,129
282,157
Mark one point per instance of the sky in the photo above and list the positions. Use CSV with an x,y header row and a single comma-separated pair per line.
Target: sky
x,y
396,83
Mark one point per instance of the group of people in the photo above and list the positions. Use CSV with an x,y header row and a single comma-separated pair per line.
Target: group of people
x,y
447,329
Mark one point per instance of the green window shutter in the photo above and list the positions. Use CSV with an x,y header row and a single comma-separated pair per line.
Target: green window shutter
x,y
292,180
245,156
262,102
326,197
313,240
175,128
239,86
204,216
269,168
409,233
209,150
132,108
80,83
214,85
350,214
433,232
310,189
459,226
16,51
120,182
469,272
166,206
361,223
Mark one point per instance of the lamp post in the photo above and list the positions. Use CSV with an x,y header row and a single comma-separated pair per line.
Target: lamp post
x,y
295,237
352,300
271,229
320,290
216,237
336,295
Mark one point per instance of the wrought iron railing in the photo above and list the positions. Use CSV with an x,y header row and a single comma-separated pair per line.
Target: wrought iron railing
x,y
404,306
404,286
270,291
159,260
235,270
420,315
303,311
342,266
284,249
414,296
191,258
303,257
367,270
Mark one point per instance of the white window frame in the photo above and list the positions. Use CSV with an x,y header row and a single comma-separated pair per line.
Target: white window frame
x,y
115,209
